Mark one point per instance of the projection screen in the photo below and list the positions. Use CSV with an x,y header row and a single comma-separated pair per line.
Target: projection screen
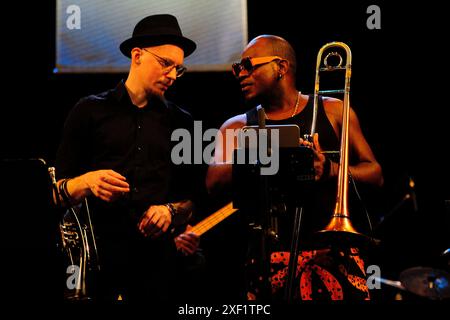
x,y
88,32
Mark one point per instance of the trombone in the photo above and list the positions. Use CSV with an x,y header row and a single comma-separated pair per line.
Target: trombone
x,y
340,226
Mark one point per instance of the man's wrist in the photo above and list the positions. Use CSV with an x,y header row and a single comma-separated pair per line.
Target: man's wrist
x,y
181,211
64,193
171,209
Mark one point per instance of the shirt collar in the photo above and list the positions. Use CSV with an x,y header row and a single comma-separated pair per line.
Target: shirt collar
x,y
123,97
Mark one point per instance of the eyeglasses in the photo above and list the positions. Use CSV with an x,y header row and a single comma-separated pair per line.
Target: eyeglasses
x,y
168,65
249,64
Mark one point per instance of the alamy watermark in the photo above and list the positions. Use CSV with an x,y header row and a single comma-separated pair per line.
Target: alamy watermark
x,y
374,19
263,147
74,279
374,275
73,20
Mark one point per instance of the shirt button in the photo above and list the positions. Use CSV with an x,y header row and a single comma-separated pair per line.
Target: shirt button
x,y
139,127
139,148
135,190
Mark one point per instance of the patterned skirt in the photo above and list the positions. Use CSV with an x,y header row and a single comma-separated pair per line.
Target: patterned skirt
x,y
325,274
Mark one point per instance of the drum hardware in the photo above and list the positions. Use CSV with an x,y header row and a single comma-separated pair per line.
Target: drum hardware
x,y
427,282
422,281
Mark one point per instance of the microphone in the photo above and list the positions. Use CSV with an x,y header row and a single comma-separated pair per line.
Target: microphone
x,y
262,125
412,193
261,117
51,172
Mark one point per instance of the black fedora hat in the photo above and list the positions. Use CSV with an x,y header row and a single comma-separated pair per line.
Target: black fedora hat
x,y
157,30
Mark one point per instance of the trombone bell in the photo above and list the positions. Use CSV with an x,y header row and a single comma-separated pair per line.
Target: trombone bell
x,y
340,223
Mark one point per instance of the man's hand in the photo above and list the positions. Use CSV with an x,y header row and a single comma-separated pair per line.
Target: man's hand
x,y
319,158
107,185
155,221
187,242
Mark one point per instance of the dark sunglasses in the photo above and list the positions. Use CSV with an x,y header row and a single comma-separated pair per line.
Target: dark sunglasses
x,y
249,64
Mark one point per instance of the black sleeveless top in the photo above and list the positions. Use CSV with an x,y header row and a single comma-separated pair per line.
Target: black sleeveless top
x,y
327,137
321,199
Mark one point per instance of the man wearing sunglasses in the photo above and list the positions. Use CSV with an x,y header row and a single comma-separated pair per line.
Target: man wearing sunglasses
x,y
115,150
267,74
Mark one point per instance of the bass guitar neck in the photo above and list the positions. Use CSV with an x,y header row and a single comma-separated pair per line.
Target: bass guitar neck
x,y
214,219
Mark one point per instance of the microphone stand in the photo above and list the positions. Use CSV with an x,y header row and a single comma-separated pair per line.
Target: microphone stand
x,y
409,195
293,257
264,213
303,160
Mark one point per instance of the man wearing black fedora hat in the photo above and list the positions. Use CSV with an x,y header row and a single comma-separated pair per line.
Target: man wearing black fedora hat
x,y
116,149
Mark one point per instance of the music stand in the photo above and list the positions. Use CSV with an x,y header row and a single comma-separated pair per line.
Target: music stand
x,y
296,172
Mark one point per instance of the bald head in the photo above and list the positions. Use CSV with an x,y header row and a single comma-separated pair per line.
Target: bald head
x,y
274,46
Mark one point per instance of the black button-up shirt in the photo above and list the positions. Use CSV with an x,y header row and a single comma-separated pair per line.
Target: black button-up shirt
x,y
106,131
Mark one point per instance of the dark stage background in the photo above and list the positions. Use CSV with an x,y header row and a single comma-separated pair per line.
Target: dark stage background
x,y
398,92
